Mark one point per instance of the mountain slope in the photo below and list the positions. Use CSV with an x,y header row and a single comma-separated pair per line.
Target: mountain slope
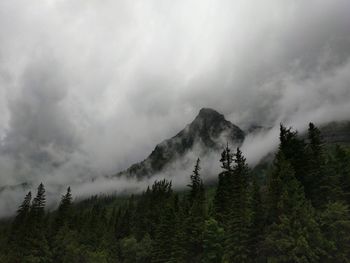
x,y
209,131
336,132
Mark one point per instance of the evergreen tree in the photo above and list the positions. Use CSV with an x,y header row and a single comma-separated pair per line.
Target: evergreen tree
x,y
276,177
257,220
38,205
144,248
223,194
180,241
294,235
293,149
340,166
22,215
237,243
196,185
197,216
335,225
163,242
39,248
64,211
322,184
213,239
18,239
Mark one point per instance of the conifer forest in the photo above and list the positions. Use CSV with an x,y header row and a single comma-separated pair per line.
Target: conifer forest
x,y
294,208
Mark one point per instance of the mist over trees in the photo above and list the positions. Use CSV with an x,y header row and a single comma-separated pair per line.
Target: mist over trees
x,y
294,210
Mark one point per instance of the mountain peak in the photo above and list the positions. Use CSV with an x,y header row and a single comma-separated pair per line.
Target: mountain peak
x,y
207,116
210,130
208,112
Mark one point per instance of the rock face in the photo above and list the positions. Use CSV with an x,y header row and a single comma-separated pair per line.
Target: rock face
x,y
336,132
209,131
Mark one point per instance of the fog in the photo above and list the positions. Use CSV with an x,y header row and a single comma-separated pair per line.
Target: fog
x,y
89,87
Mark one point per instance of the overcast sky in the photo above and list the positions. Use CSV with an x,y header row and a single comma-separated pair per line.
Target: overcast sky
x,y
89,87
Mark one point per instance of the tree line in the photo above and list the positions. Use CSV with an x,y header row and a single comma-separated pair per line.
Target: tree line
x,y
296,210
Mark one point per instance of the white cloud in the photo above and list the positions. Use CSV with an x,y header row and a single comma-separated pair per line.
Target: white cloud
x,y
89,87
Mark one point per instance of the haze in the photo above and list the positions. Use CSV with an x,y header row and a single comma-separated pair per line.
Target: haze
x,y
89,87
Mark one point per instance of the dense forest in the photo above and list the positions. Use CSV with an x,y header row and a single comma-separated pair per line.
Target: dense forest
x,y
295,209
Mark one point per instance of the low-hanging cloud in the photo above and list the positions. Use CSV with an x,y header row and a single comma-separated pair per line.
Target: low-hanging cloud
x,y
89,87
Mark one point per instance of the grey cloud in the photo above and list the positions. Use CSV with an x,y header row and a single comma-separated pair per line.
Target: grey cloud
x,y
89,87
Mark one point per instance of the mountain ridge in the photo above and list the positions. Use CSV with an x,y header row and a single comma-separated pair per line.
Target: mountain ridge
x,y
210,130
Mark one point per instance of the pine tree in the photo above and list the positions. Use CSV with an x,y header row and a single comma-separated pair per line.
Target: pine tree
x,y
294,235
196,185
195,221
39,249
18,239
180,241
340,166
163,242
226,159
335,225
257,219
322,184
63,211
237,243
275,186
224,189
213,239
38,205
22,215
293,149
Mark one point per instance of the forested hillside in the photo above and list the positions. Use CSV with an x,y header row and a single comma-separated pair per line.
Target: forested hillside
x,y
296,210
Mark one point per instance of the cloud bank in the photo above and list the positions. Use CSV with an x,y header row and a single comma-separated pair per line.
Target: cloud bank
x,y
89,87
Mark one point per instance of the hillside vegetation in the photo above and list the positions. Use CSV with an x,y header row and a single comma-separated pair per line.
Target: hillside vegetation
x,y
295,210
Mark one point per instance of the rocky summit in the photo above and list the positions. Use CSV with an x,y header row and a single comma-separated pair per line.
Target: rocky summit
x,y
208,131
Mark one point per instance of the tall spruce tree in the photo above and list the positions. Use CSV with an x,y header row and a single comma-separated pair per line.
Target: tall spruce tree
x,y
179,251
237,242
21,216
257,219
294,235
196,184
162,246
38,205
335,225
323,183
197,216
223,193
39,249
339,167
275,186
64,211
293,149
18,239
213,240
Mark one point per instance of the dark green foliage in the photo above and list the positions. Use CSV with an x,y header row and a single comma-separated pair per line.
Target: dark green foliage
x,y
38,205
257,219
294,235
179,248
280,170
196,217
322,184
335,224
64,212
18,239
340,169
293,149
165,232
237,242
223,194
213,240
39,248
297,211
196,185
